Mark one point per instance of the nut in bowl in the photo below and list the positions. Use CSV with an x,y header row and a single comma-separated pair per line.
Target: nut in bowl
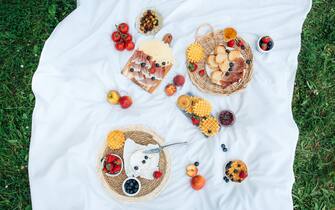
x,y
265,44
112,165
149,22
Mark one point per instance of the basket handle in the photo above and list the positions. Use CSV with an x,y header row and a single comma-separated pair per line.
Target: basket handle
x,y
197,36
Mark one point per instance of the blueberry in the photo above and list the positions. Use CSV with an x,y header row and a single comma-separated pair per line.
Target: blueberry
x,y
146,157
163,63
231,64
225,179
143,64
227,74
223,146
157,64
227,51
230,69
136,168
131,184
224,149
248,61
228,165
131,70
235,171
131,192
143,161
153,78
270,44
196,163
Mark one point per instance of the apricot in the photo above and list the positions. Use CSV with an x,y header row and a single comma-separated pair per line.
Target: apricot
x,y
198,182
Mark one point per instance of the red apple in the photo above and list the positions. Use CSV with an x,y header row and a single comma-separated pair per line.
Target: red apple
x,y
125,102
179,80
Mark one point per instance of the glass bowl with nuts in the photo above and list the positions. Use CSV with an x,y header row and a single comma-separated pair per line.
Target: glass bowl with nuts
x,y
149,22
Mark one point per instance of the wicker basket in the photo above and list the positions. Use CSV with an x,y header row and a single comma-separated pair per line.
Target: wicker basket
x,y
209,41
149,188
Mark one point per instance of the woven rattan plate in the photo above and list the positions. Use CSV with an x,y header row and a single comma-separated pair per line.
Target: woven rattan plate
x,y
209,41
149,188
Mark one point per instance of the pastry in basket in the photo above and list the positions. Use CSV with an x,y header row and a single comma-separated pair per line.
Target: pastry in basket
x,y
223,60
150,63
199,111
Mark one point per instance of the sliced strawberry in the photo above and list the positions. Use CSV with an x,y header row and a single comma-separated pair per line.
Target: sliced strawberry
x,y
152,70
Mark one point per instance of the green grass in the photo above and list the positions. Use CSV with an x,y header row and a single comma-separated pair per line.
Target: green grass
x,y
24,27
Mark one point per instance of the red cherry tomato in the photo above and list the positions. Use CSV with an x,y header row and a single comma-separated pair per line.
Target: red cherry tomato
x,y
120,46
127,37
130,45
116,36
123,28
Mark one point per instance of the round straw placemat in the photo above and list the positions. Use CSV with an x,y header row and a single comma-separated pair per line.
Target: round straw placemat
x,y
149,188
209,41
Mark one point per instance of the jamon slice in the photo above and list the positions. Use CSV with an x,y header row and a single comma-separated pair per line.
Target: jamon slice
x,y
235,74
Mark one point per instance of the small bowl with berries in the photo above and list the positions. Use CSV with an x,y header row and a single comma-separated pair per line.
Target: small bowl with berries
x,y
131,186
265,44
112,165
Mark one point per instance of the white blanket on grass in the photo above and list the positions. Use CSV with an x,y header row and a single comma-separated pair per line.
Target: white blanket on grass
x,y
71,118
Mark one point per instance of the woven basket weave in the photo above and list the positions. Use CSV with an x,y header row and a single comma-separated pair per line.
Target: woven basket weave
x,y
209,41
149,188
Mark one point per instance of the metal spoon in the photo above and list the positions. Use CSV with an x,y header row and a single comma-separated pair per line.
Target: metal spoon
x,y
158,149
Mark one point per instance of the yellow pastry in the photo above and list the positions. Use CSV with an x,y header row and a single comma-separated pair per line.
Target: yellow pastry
x,y
202,108
216,77
209,126
195,53
220,49
224,66
229,34
184,101
116,139
194,100
220,58
211,62
234,54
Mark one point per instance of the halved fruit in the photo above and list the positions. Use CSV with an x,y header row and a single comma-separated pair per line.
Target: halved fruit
x,y
191,170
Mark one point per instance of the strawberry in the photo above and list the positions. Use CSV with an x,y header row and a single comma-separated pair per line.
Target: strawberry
x,y
192,67
264,47
202,72
231,43
266,39
240,43
152,70
195,121
157,174
117,162
243,175
117,169
110,158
